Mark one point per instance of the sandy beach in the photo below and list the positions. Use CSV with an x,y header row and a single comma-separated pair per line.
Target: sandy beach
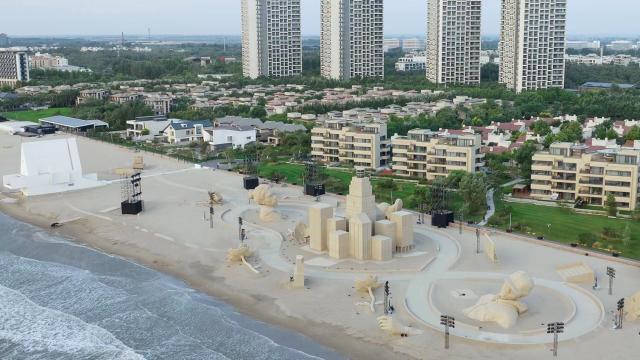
x,y
173,236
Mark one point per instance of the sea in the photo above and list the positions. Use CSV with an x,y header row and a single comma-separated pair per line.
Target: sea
x,y
60,300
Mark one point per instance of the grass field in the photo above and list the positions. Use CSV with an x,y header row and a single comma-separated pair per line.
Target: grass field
x,y
565,226
36,115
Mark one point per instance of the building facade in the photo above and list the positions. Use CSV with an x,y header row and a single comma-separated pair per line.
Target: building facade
x,y
453,41
271,38
14,67
47,61
412,62
532,44
428,155
351,40
362,144
570,172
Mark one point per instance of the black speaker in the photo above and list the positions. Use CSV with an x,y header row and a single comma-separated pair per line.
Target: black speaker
x,y
251,182
131,208
314,189
441,219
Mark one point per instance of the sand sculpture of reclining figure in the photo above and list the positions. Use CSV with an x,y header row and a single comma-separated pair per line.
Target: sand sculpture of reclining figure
x,y
504,308
388,324
262,196
367,285
240,255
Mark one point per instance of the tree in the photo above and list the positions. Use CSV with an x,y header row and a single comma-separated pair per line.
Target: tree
x,y
587,239
570,131
386,186
473,188
633,134
611,205
524,158
541,128
454,178
605,131
626,235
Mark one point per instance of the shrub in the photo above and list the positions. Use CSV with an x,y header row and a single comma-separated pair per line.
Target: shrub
x,y
587,239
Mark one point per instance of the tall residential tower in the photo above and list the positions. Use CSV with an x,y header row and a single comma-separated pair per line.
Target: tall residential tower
x,y
453,41
351,44
532,44
271,38
14,67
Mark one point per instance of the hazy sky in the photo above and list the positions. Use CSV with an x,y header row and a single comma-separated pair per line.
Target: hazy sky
x,y
208,17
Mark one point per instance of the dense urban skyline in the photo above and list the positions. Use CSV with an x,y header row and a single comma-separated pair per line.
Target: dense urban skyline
x,y
223,17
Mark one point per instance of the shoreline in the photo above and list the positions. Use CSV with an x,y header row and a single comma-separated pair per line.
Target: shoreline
x,y
257,306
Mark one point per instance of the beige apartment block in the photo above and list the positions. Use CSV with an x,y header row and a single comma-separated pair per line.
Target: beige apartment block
x,y
428,155
363,144
569,172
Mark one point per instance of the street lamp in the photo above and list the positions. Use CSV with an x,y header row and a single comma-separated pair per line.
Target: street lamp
x,y
555,329
386,298
477,241
611,272
448,322
620,314
240,229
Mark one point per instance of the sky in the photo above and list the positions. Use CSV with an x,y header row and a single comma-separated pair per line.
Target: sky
x,y
222,17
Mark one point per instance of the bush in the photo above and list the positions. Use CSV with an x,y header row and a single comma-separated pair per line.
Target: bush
x,y
587,239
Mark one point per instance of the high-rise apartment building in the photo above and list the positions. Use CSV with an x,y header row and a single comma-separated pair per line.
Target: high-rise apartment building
x,y
14,67
352,39
532,44
271,38
453,41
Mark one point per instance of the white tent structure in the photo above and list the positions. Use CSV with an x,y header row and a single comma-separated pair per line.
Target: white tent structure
x,y
48,167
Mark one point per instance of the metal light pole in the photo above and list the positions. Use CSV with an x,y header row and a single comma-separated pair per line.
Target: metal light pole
x,y
211,212
386,298
555,329
448,322
240,228
477,241
611,272
620,313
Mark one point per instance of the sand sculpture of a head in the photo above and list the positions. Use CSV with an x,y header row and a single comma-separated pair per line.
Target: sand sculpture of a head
x,y
262,196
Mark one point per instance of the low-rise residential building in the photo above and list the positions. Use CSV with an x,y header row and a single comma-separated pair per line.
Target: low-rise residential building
x,y
572,172
362,144
226,136
428,154
160,104
412,62
122,98
144,126
185,131
91,94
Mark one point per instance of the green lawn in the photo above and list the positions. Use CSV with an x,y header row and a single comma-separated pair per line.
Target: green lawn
x,y
36,115
566,226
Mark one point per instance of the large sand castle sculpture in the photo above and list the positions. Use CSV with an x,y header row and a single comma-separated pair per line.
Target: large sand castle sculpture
x,y
262,196
504,308
368,232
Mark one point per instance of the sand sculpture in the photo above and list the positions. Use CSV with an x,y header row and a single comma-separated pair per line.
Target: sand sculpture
x,y
240,255
632,307
385,210
393,327
298,273
504,308
215,198
368,232
262,196
367,286
299,233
